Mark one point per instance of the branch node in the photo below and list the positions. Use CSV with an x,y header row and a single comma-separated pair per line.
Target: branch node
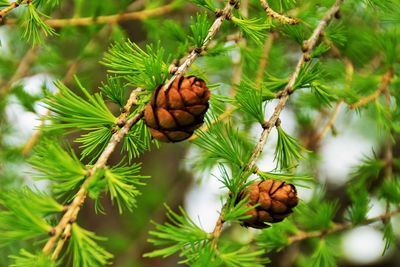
x,y
219,12
265,125
307,57
278,122
52,232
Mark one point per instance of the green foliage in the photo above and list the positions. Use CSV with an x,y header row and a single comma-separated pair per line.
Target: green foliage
x,y
141,68
33,25
322,93
209,4
121,183
309,73
138,140
84,250
21,215
242,257
276,237
26,258
179,235
94,142
388,236
115,90
74,112
317,214
199,28
323,256
221,141
59,166
273,84
288,151
249,100
390,190
292,178
360,204
254,28
367,171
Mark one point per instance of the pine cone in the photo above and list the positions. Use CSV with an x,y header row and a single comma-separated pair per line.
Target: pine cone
x,y
275,201
173,115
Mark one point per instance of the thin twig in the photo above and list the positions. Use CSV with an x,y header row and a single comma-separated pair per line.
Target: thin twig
x,y
273,14
331,121
110,19
284,96
11,7
73,209
21,71
262,65
226,13
339,227
385,82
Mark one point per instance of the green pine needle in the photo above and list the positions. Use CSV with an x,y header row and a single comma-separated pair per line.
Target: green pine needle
x,y
115,90
138,140
288,151
59,166
309,74
94,143
177,235
254,28
388,236
221,141
275,238
322,93
317,214
295,179
249,99
84,250
323,256
26,258
121,182
360,206
141,68
21,215
242,256
272,84
74,112
209,4
33,25
199,28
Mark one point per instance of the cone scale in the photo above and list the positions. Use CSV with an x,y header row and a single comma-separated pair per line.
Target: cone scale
x,y
173,114
274,199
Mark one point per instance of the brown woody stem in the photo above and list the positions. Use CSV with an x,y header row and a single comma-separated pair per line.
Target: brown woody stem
x,y
385,82
273,14
110,19
339,227
284,96
224,14
73,209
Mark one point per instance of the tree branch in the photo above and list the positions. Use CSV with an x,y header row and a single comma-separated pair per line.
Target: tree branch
x,y
284,96
339,227
226,13
11,7
109,19
273,14
73,209
21,71
385,82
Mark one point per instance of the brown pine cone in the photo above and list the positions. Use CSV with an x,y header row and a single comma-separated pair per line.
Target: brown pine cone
x,y
275,201
173,115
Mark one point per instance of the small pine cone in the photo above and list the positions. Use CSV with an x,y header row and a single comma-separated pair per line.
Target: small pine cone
x,y
173,115
275,201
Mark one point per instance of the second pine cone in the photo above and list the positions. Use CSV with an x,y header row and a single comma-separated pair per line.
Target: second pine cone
x,y
275,201
172,115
